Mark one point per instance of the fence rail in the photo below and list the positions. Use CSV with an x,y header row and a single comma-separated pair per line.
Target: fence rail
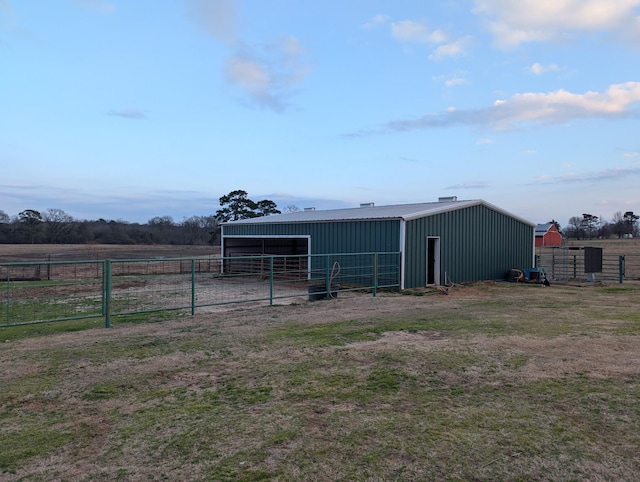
x,y
569,265
37,292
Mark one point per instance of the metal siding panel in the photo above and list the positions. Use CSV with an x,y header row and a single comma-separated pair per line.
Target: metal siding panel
x,y
476,243
334,237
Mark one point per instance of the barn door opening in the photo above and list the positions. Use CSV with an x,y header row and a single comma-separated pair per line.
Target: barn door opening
x,y
248,254
433,261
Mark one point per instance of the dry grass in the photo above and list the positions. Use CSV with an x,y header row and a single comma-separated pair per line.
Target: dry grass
x,y
10,253
492,382
611,246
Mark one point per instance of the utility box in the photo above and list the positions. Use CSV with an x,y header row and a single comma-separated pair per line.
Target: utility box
x,y
592,260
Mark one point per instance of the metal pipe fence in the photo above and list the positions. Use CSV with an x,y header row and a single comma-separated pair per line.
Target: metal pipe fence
x,y
565,266
47,291
631,267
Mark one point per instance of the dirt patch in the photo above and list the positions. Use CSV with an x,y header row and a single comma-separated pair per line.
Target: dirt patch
x,y
602,356
499,381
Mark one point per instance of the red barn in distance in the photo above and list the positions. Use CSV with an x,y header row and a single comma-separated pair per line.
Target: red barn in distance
x,y
548,235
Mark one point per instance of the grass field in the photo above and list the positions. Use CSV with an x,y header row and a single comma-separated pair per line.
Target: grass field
x,y
612,245
495,381
10,253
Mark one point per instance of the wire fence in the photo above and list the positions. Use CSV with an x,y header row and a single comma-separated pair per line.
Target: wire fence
x,y
37,292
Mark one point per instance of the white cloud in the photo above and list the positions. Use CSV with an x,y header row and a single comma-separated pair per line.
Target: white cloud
x,y
539,69
292,46
451,80
268,76
418,32
529,108
611,174
631,155
513,23
412,31
561,106
451,49
376,20
249,75
455,81
217,18
264,74
484,141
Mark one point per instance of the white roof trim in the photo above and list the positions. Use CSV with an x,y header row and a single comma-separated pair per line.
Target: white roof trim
x,y
446,207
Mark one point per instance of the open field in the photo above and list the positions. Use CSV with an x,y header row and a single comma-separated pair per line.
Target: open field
x,y
495,381
10,253
570,262
612,246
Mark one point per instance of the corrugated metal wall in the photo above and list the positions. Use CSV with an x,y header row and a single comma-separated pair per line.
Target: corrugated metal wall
x,y
476,243
333,237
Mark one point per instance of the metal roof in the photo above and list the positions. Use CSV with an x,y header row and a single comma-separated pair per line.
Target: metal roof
x,y
405,212
543,228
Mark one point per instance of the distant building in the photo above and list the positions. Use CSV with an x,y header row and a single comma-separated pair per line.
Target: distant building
x,y
548,235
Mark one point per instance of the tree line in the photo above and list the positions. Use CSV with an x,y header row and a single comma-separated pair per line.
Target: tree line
x,y
589,226
55,226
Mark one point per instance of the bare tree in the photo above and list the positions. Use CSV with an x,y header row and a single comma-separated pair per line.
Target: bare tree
x,y
211,226
291,208
575,228
605,230
161,222
58,225
617,225
193,230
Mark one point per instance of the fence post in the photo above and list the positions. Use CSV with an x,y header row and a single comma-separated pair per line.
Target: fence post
x,y
621,268
575,267
104,287
271,280
193,286
327,277
8,292
375,273
107,293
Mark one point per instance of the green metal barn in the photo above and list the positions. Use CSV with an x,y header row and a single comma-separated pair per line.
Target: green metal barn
x,y
439,242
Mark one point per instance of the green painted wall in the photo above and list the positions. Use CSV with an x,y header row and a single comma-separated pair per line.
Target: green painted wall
x,y
331,237
476,243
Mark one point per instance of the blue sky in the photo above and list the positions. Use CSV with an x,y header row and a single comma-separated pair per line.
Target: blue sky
x,y
134,109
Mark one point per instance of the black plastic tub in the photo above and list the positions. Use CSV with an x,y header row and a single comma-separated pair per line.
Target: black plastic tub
x,y
319,291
